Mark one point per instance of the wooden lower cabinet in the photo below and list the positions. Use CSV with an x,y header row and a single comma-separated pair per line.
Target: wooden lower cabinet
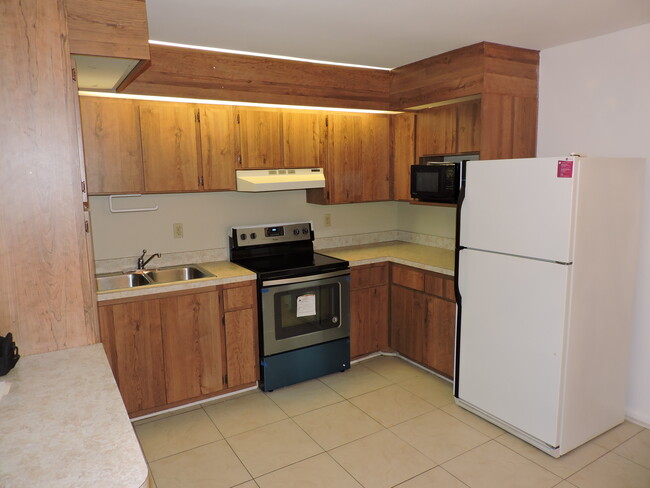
x,y
171,348
368,309
423,316
132,337
193,345
408,313
240,321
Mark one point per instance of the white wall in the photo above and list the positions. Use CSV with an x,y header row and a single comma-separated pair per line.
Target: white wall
x,y
595,100
207,218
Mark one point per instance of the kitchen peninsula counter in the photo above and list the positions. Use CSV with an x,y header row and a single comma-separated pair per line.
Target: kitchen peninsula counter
x,y
64,425
417,255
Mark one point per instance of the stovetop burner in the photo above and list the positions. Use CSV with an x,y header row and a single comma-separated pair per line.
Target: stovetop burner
x,y
280,251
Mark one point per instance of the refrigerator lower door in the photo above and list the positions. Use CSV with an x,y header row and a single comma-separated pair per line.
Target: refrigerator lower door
x,y
511,339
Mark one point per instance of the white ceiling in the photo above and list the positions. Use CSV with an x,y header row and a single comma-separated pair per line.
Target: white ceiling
x,y
385,33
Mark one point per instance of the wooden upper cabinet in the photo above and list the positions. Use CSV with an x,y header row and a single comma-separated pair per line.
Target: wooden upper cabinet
x,y
193,344
403,154
219,147
436,131
375,158
469,127
113,153
169,146
260,136
303,139
358,159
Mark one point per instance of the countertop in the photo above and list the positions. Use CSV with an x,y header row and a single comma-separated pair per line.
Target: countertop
x,y
63,424
417,255
225,272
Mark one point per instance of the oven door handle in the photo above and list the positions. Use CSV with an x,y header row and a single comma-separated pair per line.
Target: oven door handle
x,y
304,279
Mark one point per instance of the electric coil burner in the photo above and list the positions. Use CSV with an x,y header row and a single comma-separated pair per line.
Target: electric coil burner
x,y
304,302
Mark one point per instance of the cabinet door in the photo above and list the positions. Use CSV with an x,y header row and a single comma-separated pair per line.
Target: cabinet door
x,y
469,127
303,139
193,344
343,178
374,171
260,135
169,146
132,338
436,131
403,154
241,347
368,320
439,341
113,152
408,313
219,147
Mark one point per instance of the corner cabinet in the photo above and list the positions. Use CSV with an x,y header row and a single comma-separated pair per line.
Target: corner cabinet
x,y
173,348
423,313
358,160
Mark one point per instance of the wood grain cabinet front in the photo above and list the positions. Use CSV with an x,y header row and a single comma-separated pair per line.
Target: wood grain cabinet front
x,y
358,160
172,348
304,135
368,309
112,147
169,146
260,132
423,317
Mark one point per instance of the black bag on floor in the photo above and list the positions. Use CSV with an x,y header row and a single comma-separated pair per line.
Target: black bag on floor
x,y
8,354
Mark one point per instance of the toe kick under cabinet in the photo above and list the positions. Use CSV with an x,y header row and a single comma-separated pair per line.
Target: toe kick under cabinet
x,y
173,348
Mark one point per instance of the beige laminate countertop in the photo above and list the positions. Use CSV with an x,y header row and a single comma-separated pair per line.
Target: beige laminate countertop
x,y
63,424
225,272
424,257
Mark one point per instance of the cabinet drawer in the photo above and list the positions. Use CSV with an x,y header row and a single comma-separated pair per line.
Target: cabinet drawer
x,y
369,275
440,286
408,277
238,297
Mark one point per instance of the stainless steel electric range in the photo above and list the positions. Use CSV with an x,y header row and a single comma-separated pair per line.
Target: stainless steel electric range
x,y
304,302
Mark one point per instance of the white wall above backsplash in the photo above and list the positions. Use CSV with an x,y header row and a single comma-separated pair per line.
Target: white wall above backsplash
x,y
208,217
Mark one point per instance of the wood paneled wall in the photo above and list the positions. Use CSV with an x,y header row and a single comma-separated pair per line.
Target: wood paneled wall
x,y
477,69
112,28
46,296
192,73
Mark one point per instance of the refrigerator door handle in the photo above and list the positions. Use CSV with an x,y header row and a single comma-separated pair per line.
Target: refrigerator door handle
x,y
459,307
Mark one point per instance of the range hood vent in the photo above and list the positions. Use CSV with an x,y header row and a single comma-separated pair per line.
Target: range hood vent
x,y
254,180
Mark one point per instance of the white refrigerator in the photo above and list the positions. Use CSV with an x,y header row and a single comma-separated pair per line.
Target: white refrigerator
x,y
546,265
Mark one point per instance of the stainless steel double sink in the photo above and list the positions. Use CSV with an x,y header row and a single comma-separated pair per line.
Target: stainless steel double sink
x,y
143,277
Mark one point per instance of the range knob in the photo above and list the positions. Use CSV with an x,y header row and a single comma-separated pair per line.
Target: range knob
x,y
305,230
296,232
253,235
242,237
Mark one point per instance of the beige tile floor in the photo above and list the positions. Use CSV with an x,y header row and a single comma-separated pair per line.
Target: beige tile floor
x,y
384,423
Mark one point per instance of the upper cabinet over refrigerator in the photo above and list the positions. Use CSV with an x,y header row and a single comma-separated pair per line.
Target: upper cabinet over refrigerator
x,y
523,207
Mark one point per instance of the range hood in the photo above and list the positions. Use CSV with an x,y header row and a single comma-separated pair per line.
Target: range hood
x,y
254,180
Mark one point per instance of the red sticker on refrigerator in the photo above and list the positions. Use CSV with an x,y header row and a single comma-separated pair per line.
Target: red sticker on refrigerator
x,y
565,168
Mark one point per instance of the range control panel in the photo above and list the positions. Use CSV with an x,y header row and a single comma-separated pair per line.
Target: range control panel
x,y
271,234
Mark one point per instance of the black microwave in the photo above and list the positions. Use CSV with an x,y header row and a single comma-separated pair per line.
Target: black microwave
x,y
435,182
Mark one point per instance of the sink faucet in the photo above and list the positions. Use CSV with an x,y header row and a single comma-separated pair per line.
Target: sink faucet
x,y
142,263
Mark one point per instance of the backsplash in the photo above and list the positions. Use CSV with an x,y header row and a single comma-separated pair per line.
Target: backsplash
x,y
223,254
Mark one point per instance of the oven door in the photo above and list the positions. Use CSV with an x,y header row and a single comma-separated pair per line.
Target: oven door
x,y
301,312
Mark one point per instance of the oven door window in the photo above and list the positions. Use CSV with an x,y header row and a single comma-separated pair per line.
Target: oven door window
x,y
299,312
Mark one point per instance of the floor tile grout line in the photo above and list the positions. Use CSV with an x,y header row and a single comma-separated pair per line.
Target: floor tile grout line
x,y
626,458
454,476
343,467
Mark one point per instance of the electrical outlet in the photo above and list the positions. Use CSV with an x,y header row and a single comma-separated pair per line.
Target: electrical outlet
x,y
178,231
327,221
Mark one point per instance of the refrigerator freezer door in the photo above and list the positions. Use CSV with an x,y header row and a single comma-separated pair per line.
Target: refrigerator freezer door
x,y
511,339
519,206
